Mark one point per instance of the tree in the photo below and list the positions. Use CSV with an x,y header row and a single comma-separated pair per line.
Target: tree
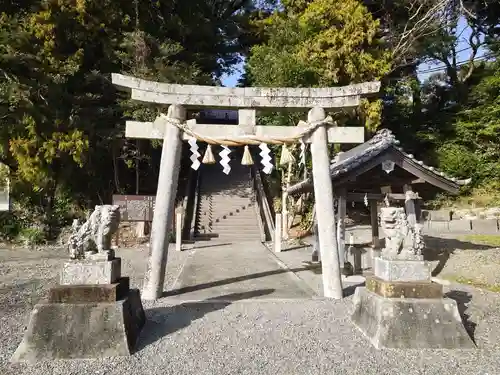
x,y
61,119
320,43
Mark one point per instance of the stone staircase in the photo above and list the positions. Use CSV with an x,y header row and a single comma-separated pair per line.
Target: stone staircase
x,y
227,211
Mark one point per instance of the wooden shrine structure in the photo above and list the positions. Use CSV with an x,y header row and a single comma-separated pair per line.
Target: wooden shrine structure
x,y
172,128
379,170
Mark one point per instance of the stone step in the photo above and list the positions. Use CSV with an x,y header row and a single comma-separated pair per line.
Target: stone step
x,y
236,237
228,199
248,233
226,210
230,211
236,228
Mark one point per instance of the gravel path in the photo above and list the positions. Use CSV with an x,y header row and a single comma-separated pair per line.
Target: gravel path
x,y
286,336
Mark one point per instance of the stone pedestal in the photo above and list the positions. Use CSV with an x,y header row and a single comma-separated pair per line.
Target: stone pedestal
x,y
78,272
401,308
92,314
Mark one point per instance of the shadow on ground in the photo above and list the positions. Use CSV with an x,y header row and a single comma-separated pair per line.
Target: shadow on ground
x,y
162,321
463,299
228,281
439,249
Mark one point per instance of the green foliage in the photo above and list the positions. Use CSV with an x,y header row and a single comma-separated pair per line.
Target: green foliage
x,y
61,119
320,43
32,236
323,43
10,226
457,160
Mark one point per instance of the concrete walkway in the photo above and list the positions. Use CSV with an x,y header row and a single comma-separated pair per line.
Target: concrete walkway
x,y
220,271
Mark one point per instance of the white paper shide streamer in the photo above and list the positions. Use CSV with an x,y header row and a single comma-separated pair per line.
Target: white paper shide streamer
x,y
194,154
266,158
224,154
302,153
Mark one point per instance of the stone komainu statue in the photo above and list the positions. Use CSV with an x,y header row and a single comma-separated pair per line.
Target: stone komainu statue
x,y
95,234
400,238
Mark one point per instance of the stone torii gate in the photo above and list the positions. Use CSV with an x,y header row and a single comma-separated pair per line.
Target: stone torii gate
x,y
173,128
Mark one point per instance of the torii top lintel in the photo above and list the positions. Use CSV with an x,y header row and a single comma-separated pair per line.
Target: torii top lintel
x,y
249,97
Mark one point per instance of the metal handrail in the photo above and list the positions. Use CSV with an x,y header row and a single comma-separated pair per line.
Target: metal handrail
x,y
196,205
262,202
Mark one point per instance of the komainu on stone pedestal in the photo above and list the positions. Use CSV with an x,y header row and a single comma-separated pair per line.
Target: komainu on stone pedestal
x,y
401,307
93,313
95,234
401,240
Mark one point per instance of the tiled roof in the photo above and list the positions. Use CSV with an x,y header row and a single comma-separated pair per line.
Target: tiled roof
x,y
355,157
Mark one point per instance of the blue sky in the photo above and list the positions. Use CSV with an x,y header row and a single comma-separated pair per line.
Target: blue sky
x,y
464,31
232,79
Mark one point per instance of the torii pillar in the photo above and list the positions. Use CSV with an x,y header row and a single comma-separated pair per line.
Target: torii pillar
x,y
165,203
323,194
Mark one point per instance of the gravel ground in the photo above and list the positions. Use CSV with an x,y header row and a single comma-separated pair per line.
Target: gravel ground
x,y
457,258
306,336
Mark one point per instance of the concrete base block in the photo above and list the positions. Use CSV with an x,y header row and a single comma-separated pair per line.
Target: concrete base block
x,y
79,272
404,289
90,293
84,330
409,323
402,270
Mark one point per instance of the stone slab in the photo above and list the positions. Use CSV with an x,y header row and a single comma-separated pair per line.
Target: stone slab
x,y
90,293
150,130
101,255
248,97
402,289
80,331
80,272
485,225
409,323
402,270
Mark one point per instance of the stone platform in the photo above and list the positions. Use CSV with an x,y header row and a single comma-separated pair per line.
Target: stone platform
x,y
409,323
402,308
82,330
92,314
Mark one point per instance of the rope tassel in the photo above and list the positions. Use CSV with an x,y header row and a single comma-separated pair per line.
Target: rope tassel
x,y
286,156
247,157
208,158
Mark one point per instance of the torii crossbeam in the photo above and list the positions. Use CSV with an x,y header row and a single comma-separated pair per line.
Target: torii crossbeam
x,y
173,128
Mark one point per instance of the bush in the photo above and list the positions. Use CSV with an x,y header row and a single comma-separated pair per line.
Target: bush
x,y
10,226
32,236
171,237
457,160
31,224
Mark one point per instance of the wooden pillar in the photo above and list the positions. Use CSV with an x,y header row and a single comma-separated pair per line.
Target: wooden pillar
x,y
165,204
315,256
374,223
410,205
178,231
342,211
284,200
332,282
277,233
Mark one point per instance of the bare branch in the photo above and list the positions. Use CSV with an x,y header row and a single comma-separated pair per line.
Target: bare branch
x,y
426,17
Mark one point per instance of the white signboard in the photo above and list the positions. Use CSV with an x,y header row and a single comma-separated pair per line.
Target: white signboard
x,y
4,188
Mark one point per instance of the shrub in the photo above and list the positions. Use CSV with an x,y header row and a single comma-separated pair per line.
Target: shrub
x,y
32,236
